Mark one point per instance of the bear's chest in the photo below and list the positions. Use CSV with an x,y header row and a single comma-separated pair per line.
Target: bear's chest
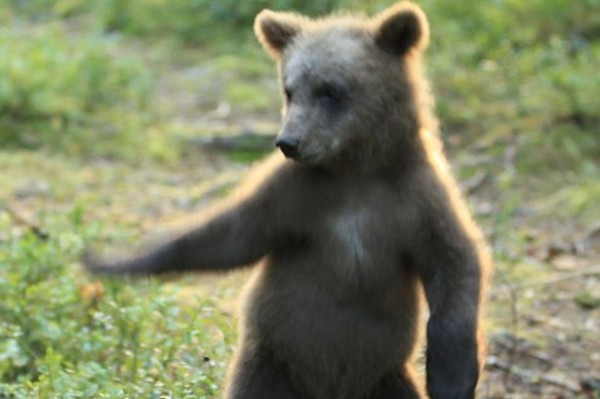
x,y
362,244
353,233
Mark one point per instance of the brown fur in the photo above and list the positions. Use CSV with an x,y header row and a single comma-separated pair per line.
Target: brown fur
x,y
349,229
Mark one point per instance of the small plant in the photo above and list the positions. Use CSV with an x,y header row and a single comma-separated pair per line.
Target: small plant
x,y
64,91
63,336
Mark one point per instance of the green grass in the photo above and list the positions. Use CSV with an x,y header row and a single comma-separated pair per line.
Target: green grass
x,y
63,335
65,92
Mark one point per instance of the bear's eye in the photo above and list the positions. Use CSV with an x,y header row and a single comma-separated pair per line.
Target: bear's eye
x,y
328,94
287,92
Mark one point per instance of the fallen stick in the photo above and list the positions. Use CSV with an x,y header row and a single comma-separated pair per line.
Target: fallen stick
x,y
533,377
21,219
588,272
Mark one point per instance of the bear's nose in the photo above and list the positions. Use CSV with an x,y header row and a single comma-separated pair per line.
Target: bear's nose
x,y
289,147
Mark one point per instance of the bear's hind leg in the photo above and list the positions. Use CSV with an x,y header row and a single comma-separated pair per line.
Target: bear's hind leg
x,y
397,385
256,377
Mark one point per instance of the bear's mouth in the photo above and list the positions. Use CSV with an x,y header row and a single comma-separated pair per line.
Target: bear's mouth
x,y
297,156
290,152
308,157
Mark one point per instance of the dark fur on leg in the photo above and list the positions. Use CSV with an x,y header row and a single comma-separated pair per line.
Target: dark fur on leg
x,y
399,385
258,376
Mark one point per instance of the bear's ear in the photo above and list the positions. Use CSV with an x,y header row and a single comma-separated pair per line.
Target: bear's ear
x,y
400,28
275,30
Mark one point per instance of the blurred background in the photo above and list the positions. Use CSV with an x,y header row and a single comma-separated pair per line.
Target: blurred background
x,y
122,118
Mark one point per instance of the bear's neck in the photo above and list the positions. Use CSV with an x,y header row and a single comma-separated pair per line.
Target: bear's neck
x,y
399,150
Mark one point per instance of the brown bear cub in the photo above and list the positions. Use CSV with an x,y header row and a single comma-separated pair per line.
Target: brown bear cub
x,y
357,219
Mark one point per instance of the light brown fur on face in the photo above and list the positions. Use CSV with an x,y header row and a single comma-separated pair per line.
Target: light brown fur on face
x,y
346,231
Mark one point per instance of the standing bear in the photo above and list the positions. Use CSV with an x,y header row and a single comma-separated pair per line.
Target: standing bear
x,y
347,228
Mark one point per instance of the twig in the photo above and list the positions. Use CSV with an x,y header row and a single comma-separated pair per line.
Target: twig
x,y
510,153
246,140
523,351
474,161
591,271
532,377
32,225
549,321
473,184
514,312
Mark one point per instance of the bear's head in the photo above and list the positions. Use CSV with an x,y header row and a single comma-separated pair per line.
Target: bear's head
x,y
348,81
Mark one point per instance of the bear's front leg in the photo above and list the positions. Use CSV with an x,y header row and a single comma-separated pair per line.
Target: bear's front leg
x,y
237,236
451,265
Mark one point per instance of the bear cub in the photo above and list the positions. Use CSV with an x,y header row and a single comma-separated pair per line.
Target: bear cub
x,y
347,224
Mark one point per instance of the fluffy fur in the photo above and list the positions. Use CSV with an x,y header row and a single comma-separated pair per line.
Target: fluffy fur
x,y
346,231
